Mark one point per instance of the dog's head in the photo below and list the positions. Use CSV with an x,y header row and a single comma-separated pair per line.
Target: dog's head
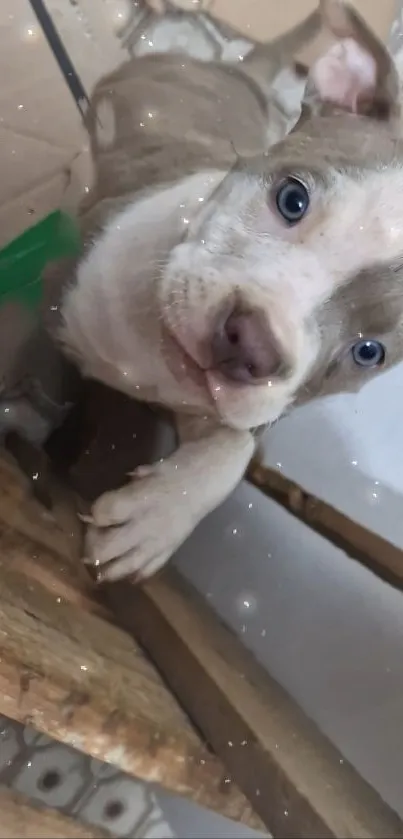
x,y
289,282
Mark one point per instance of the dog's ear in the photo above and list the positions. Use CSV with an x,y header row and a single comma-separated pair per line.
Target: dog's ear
x,y
356,74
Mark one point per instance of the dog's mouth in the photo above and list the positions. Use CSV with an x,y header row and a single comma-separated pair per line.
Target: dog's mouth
x,y
195,378
180,362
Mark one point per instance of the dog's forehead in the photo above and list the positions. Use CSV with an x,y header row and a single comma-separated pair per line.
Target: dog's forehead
x,y
357,166
350,145
341,140
359,220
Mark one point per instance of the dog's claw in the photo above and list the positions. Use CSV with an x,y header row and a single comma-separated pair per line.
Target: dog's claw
x,y
86,519
137,529
87,561
142,471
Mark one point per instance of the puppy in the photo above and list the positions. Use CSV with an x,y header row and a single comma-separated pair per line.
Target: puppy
x,y
239,284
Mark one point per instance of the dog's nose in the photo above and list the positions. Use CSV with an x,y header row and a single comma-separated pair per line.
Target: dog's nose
x,y
244,348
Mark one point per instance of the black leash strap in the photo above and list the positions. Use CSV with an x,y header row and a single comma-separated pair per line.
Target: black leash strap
x,y
62,57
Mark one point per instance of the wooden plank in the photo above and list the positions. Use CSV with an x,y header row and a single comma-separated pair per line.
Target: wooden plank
x,y
296,779
84,683
23,818
59,530
377,554
77,677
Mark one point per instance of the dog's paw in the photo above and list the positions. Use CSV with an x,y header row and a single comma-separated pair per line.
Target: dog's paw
x,y
135,530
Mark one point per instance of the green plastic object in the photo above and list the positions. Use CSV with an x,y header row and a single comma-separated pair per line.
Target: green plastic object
x,y
22,261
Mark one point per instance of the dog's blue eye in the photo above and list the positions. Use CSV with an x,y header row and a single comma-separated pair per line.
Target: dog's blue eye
x,y
368,353
292,200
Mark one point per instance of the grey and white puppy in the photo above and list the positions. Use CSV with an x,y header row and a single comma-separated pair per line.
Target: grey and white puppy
x,y
241,281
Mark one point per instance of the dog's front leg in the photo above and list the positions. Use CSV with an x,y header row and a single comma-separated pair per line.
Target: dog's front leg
x,y
135,530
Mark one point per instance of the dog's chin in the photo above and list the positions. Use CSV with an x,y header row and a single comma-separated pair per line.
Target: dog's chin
x,y
243,406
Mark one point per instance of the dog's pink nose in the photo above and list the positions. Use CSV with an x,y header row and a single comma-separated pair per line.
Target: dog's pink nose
x,y
244,349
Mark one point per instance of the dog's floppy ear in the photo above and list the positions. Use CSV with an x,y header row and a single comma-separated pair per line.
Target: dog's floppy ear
x,y
356,74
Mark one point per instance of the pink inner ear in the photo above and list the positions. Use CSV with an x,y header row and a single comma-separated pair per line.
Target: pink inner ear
x,y
345,74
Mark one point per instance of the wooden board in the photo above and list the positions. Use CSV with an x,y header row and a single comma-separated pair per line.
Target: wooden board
x,y
373,551
298,782
22,818
67,670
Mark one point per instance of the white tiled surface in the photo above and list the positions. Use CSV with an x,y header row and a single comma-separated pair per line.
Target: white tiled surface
x,y
99,794
67,780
